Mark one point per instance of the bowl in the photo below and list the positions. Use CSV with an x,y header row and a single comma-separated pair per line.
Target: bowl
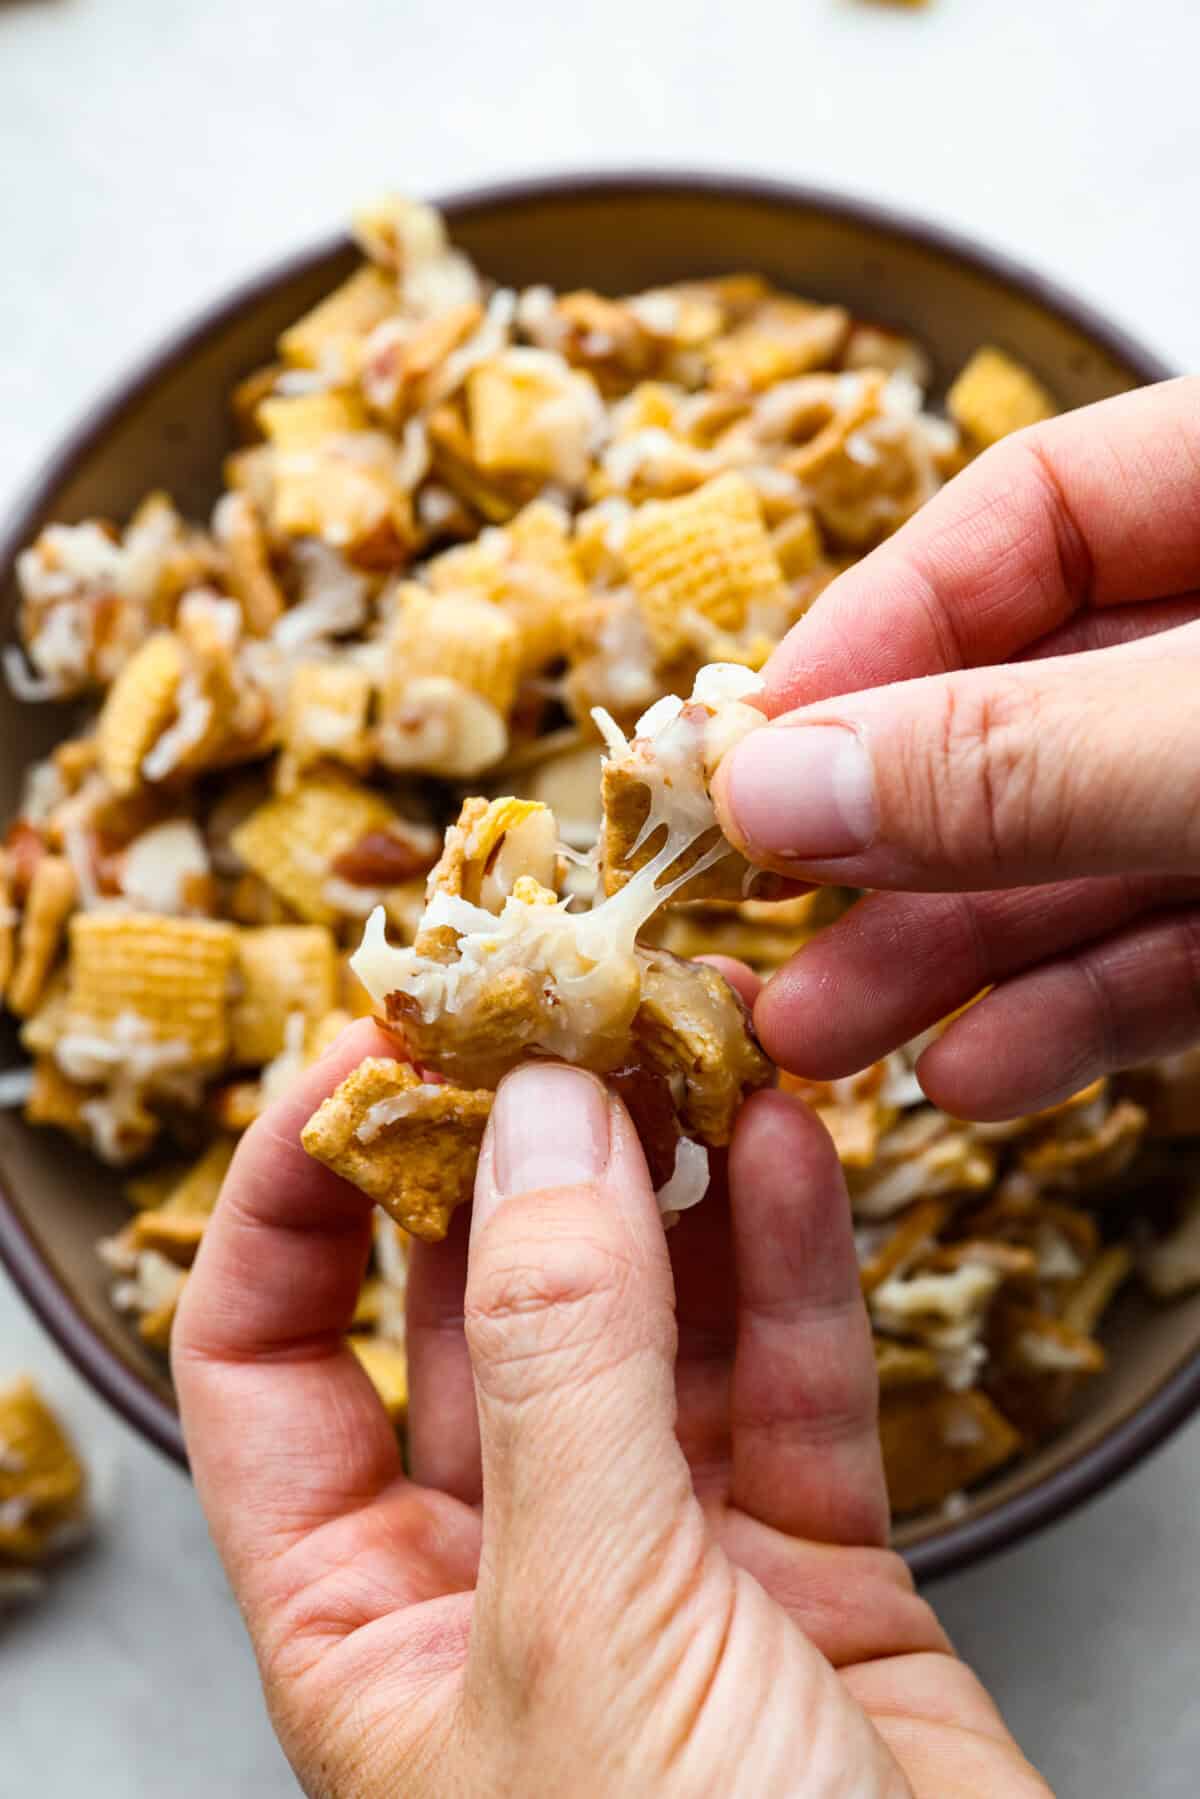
x,y
166,424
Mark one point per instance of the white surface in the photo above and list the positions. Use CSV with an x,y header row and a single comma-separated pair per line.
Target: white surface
x,y
150,153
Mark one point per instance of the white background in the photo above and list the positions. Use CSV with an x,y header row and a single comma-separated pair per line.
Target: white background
x,y
150,153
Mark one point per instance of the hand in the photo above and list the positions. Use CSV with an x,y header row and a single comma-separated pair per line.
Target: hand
x,y
676,1582
1041,819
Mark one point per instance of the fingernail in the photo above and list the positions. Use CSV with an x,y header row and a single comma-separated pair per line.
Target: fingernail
x,y
549,1129
803,792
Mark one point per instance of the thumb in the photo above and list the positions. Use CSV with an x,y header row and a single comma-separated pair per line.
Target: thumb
x,y
995,777
571,1329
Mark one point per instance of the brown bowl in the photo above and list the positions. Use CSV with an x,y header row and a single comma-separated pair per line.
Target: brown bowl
x,y
167,425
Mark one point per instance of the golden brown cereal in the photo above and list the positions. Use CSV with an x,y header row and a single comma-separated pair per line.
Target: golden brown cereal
x,y
691,1024
782,338
52,895
8,920
248,572
532,415
936,1443
292,841
386,1365
464,640
43,1487
995,395
706,554
326,720
328,336
140,705
281,971
490,844
410,1146
168,976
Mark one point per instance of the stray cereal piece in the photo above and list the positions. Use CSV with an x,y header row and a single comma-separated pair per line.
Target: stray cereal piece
x,y
292,841
140,705
995,395
386,1366
411,1146
170,975
938,1442
52,894
281,970
43,1487
707,554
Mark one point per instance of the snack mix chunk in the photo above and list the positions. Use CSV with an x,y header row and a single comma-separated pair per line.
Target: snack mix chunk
x,y
422,721
43,1490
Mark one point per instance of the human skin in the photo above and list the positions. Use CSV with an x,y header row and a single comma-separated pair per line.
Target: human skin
x,y
992,719
640,1548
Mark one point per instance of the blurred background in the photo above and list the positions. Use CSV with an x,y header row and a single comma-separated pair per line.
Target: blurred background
x,y
149,156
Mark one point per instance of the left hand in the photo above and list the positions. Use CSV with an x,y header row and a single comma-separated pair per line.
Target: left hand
x,y
641,1545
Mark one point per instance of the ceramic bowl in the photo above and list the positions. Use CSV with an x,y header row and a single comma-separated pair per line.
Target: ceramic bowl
x,y
166,425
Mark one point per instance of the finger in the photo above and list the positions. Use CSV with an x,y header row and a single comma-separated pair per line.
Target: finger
x,y
900,962
1115,626
1121,1001
443,1429
805,1441
990,778
572,1340
1046,523
284,1430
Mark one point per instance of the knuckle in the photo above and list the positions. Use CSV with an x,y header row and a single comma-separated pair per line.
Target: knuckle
x,y
543,1299
991,797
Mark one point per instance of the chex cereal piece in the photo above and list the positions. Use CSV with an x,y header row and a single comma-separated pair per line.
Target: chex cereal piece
x,y
292,841
465,640
238,528
326,719
782,338
280,970
386,1366
410,1146
491,844
140,705
56,1100
531,414
707,554
326,336
691,1025
169,975
52,894
176,1223
995,395
936,1443
43,1487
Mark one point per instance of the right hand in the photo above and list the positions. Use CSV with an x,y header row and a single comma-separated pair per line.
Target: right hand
x,y
996,716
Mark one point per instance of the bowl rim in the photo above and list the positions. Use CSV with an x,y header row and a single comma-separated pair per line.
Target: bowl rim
x,y
1133,1436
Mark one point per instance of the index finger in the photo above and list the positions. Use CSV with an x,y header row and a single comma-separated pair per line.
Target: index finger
x,y
1095,508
